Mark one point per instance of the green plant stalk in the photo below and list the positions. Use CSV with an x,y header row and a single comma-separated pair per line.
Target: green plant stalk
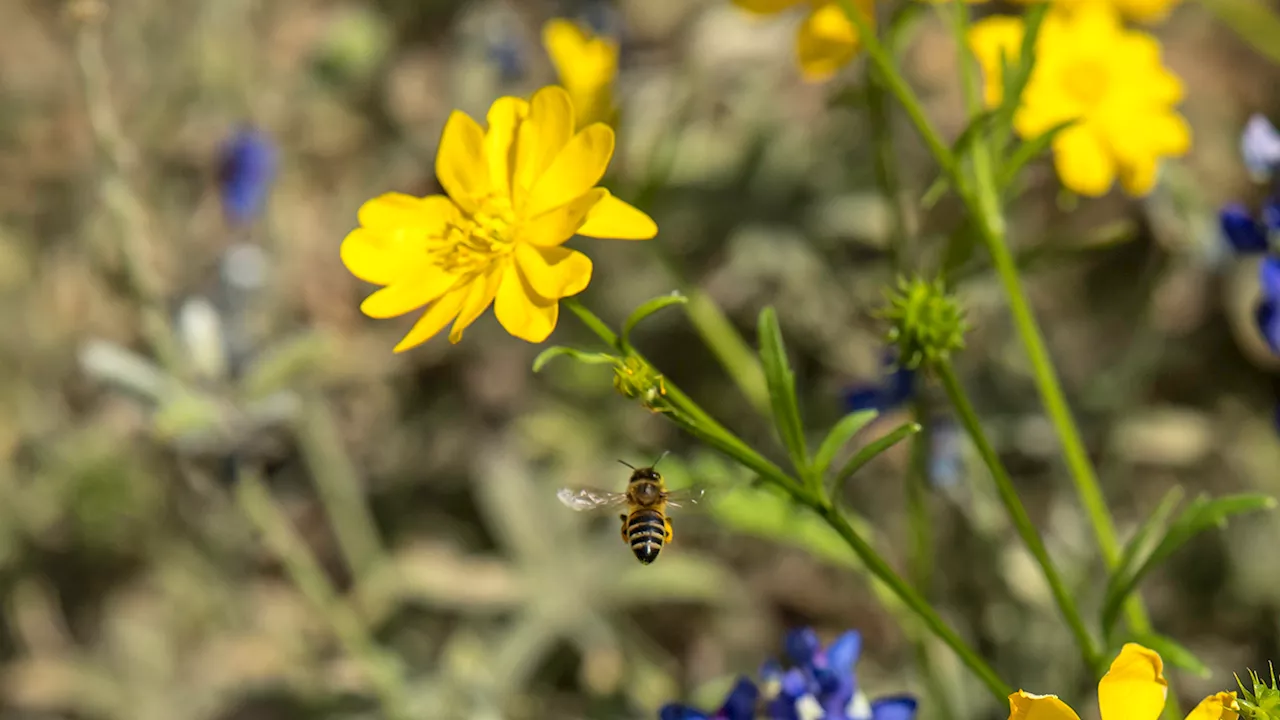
x,y
1017,513
337,482
991,227
277,532
718,436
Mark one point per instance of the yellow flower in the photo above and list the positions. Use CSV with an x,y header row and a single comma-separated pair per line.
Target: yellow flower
x,y
1144,11
1089,68
587,66
1133,689
826,41
516,193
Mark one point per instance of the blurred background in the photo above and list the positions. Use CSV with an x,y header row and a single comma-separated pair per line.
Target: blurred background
x,y
222,497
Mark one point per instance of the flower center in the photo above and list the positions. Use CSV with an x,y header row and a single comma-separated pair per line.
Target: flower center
x,y
1086,81
476,240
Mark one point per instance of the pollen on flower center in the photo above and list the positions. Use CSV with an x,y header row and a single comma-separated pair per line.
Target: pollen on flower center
x,y
476,240
1086,81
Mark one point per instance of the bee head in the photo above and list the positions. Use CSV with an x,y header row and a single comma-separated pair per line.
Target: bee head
x,y
645,474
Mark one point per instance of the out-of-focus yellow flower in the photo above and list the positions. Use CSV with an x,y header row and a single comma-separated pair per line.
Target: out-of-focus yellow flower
x,y
1089,68
1144,11
516,193
587,65
826,41
1133,689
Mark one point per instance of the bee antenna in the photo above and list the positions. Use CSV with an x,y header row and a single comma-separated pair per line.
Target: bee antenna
x,y
624,462
655,462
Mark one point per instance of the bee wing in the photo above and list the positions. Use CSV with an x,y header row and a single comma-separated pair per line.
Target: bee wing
x,y
591,499
685,496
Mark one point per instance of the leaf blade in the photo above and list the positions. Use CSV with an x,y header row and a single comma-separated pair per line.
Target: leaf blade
x,y
782,390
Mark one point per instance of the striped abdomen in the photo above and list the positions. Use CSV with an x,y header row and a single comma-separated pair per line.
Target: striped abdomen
x,y
645,530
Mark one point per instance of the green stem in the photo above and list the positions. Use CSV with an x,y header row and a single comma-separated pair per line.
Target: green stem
x,y
381,670
338,484
1017,513
707,429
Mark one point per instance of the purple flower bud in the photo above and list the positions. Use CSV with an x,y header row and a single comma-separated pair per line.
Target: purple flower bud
x,y
246,169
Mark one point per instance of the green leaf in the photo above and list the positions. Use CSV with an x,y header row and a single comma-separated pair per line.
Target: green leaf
x,y
839,436
1145,537
1202,514
1174,653
647,309
975,129
1028,151
1252,20
590,358
866,454
782,390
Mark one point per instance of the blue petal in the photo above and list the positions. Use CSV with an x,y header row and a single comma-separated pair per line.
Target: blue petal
x,y
803,646
863,397
842,654
741,703
1241,229
795,683
770,671
1269,277
1260,147
246,169
1271,215
898,707
1269,324
681,712
782,708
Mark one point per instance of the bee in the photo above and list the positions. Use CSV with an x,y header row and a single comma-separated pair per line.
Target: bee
x,y
645,526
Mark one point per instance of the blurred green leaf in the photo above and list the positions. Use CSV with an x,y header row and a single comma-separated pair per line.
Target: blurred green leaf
x,y
766,513
648,308
1028,151
286,363
839,436
1202,514
590,358
782,390
866,454
1252,20
1174,653
1144,538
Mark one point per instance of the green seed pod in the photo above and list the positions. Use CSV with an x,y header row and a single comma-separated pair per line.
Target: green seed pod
x,y
928,324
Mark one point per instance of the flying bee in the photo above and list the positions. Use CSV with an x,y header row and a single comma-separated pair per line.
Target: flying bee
x,y
645,525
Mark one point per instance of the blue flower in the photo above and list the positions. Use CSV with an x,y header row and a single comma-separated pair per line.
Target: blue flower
x,y
1260,147
1245,232
739,705
1268,312
823,683
246,169
897,387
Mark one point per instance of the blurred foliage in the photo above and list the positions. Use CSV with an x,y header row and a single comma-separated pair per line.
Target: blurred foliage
x,y
132,586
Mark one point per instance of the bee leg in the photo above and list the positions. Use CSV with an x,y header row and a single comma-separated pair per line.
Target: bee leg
x,y
670,533
623,518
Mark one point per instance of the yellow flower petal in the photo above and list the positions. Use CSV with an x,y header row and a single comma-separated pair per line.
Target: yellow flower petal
x,y
541,138
574,171
990,39
553,228
433,320
827,40
1134,688
1083,162
613,218
1026,706
414,289
766,7
371,258
480,293
586,65
396,211
554,272
1216,707
504,118
1139,176
521,311
460,162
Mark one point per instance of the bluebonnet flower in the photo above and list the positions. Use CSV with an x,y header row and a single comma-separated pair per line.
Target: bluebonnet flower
x,y
894,391
1260,147
1245,232
246,169
739,705
1268,312
822,683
